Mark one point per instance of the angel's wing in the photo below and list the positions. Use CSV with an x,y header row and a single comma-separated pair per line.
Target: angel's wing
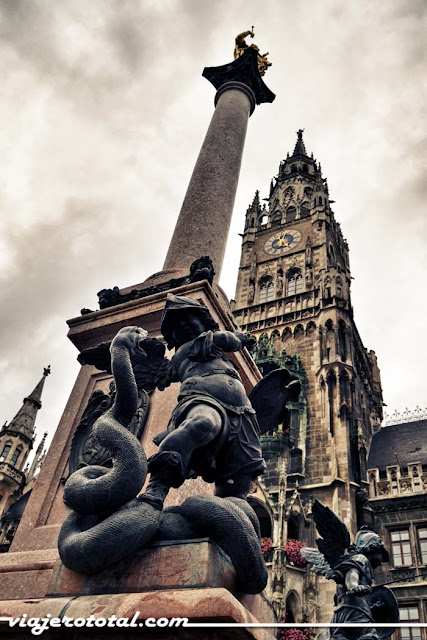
x,y
317,559
150,367
270,395
335,538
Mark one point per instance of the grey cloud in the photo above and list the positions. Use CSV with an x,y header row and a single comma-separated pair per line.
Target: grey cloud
x,y
122,100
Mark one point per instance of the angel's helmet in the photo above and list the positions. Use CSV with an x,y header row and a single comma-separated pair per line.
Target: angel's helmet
x,y
367,540
178,306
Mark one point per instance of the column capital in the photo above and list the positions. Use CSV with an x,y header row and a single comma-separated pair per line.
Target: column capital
x,y
244,70
237,86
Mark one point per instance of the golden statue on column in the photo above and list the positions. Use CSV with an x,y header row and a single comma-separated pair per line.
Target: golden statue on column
x,y
241,46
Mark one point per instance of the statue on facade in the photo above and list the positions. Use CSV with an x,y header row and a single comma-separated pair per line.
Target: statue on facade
x,y
351,567
213,433
241,46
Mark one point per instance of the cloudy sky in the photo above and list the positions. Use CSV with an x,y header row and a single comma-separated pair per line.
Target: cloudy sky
x,y
102,113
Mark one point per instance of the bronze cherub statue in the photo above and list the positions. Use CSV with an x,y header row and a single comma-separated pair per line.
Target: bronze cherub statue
x,y
213,432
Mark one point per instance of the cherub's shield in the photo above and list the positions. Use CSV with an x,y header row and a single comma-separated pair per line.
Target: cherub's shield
x,y
270,395
384,608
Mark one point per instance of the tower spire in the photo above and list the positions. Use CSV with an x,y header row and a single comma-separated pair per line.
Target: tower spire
x,y
24,420
300,149
36,394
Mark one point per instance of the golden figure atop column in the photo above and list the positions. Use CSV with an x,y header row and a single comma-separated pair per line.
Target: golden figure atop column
x,y
241,46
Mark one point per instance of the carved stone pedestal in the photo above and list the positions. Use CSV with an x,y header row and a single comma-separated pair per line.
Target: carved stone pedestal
x,y
193,580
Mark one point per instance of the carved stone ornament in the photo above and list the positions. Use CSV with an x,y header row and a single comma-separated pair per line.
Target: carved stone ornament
x,y
201,269
85,448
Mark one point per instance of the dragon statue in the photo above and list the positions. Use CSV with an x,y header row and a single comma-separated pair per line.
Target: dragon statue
x,y
351,566
213,433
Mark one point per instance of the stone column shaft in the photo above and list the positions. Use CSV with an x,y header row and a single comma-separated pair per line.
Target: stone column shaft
x,y
204,221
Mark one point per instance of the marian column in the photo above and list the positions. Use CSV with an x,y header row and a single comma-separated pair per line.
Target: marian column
x,y
204,221
193,579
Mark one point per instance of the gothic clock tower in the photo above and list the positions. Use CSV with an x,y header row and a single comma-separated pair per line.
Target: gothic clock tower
x,y
293,294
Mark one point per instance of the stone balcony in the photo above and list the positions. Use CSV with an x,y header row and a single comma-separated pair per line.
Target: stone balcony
x,y
10,475
402,486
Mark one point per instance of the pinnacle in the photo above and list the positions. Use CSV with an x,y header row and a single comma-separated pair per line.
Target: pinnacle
x,y
37,392
256,204
300,149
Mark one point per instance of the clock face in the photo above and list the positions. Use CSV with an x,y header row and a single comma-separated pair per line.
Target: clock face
x,y
282,241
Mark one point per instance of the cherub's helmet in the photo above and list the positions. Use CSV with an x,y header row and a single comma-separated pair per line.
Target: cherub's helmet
x,y
177,304
367,540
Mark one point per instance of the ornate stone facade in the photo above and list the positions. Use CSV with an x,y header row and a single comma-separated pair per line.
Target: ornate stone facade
x,y
293,294
397,474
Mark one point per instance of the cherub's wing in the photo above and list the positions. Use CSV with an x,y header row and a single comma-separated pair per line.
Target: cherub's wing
x,y
335,538
153,369
317,559
270,395
150,367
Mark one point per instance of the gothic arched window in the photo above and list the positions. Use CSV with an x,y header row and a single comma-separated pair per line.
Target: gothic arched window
x,y
293,527
266,291
295,283
263,220
15,456
305,211
263,517
5,452
291,213
277,217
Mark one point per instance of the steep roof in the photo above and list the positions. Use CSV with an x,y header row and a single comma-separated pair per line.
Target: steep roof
x,y
25,419
300,146
36,394
407,440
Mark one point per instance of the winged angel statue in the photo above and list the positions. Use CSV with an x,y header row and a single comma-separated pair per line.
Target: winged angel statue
x,y
351,567
213,432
